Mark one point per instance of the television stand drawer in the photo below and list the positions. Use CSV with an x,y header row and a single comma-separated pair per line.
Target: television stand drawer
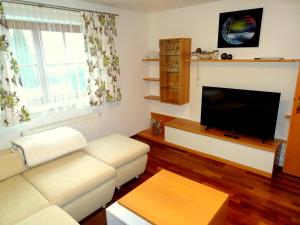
x,y
245,155
186,139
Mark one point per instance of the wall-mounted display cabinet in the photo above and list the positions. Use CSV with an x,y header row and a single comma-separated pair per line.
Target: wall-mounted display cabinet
x,y
174,71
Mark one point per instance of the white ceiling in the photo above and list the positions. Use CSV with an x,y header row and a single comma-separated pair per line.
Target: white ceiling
x,y
149,5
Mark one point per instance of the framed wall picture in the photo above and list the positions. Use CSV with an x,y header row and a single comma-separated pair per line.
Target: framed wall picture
x,y
240,28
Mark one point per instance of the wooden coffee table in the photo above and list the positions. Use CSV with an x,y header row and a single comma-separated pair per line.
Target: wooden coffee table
x,y
170,199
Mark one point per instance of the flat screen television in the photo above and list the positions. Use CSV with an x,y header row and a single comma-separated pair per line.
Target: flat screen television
x,y
240,111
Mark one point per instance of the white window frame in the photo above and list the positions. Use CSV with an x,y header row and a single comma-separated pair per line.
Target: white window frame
x,y
46,102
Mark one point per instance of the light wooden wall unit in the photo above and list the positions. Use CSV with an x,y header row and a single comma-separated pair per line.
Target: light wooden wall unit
x,y
175,70
246,152
292,157
246,60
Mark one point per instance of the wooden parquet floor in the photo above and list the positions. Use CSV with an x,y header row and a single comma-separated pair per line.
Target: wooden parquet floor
x,y
254,200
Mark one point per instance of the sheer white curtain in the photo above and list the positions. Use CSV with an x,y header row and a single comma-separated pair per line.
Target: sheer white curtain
x,y
11,109
49,47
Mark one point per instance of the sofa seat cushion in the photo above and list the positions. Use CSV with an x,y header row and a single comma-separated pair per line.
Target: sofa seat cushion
x,y
51,215
116,149
18,200
68,178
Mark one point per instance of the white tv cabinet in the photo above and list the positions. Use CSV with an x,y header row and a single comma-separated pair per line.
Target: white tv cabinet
x,y
245,152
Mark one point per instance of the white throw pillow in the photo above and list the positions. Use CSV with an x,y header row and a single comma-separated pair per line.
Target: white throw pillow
x,y
48,145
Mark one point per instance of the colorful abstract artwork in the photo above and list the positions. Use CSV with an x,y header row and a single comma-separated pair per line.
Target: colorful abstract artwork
x,y
240,28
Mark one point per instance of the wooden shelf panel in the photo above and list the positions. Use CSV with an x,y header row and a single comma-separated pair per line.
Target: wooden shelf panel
x,y
170,55
156,79
151,60
244,60
197,128
170,87
153,97
231,61
147,134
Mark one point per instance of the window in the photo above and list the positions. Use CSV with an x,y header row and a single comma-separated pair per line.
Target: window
x,y
52,67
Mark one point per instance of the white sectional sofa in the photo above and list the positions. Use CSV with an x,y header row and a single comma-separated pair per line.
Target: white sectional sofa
x,y
69,188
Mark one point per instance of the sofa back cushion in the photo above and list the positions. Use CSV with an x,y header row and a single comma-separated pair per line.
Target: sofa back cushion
x,y
11,164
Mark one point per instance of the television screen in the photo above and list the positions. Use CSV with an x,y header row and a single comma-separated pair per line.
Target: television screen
x,y
241,111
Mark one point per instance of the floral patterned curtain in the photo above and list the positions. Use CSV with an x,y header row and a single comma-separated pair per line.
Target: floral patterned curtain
x,y
103,60
12,111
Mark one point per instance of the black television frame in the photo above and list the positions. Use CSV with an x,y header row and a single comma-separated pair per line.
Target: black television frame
x,y
265,133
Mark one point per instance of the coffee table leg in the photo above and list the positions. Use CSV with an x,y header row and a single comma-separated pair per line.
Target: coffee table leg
x,y
112,220
221,216
118,215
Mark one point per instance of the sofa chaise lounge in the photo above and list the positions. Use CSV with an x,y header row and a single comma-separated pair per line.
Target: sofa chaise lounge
x,y
70,187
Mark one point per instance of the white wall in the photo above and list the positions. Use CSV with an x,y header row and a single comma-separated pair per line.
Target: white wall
x,y
279,37
132,114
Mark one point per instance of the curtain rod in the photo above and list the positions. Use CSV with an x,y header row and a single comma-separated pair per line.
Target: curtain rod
x,y
53,6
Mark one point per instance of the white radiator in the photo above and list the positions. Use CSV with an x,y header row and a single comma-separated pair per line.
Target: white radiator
x,y
88,125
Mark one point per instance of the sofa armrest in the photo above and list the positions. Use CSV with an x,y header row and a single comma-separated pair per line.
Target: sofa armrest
x,y
11,164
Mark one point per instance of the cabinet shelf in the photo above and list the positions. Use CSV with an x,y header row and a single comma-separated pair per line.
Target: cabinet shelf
x,y
170,55
156,79
170,87
244,60
153,97
151,60
168,71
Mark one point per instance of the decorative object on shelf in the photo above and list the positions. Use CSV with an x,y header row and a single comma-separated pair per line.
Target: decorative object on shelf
x,y
229,56
152,54
205,55
198,50
224,56
240,28
156,127
269,58
215,54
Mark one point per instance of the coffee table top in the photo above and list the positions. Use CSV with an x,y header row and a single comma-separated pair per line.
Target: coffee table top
x,y
170,199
